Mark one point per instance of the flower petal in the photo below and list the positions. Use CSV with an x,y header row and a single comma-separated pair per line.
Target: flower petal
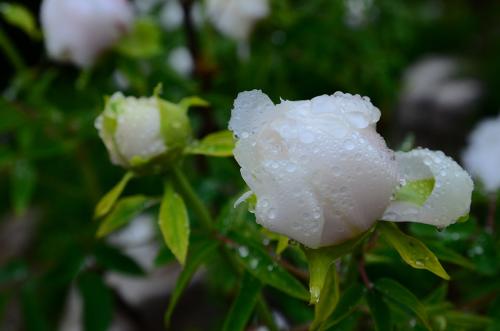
x,y
450,198
249,113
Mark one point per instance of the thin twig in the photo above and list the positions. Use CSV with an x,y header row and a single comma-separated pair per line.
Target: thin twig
x,y
304,275
362,272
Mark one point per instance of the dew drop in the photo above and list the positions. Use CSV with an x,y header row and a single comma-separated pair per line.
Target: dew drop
x,y
243,251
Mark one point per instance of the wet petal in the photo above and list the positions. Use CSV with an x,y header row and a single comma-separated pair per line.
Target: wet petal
x,y
450,198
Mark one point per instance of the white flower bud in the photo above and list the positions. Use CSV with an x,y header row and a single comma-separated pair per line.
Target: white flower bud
x,y
140,132
482,155
236,18
321,172
450,198
78,31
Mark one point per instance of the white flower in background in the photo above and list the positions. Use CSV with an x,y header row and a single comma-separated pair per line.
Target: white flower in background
x,y
322,174
146,6
437,80
181,61
78,31
482,155
139,131
236,18
357,12
172,15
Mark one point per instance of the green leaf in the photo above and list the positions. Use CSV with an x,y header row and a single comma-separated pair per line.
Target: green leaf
x,y
107,201
165,256
97,302
34,316
22,185
459,320
416,191
329,298
13,271
20,17
259,264
189,102
321,259
379,311
174,223
348,302
198,255
143,41
400,295
411,250
447,254
112,258
216,144
125,210
241,309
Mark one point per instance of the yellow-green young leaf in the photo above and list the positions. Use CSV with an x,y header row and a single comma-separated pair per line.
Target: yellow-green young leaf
x,y
416,191
193,102
215,144
19,16
282,244
125,210
411,250
144,40
328,299
320,261
107,201
174,223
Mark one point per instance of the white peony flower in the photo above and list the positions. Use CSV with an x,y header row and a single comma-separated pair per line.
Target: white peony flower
x,y
321,172
78,31
140,131
482,155
181,61
236,18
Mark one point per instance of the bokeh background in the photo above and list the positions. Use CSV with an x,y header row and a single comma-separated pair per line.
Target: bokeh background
x,y
431,66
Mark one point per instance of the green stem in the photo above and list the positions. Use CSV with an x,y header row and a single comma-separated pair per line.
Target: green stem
x,y
11,52
192,198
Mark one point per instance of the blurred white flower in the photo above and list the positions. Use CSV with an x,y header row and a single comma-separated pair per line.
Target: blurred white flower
x,y
322,174
172,15
236,18
437,80
146,6
482,155
139,131
78,31
181,61
357,12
